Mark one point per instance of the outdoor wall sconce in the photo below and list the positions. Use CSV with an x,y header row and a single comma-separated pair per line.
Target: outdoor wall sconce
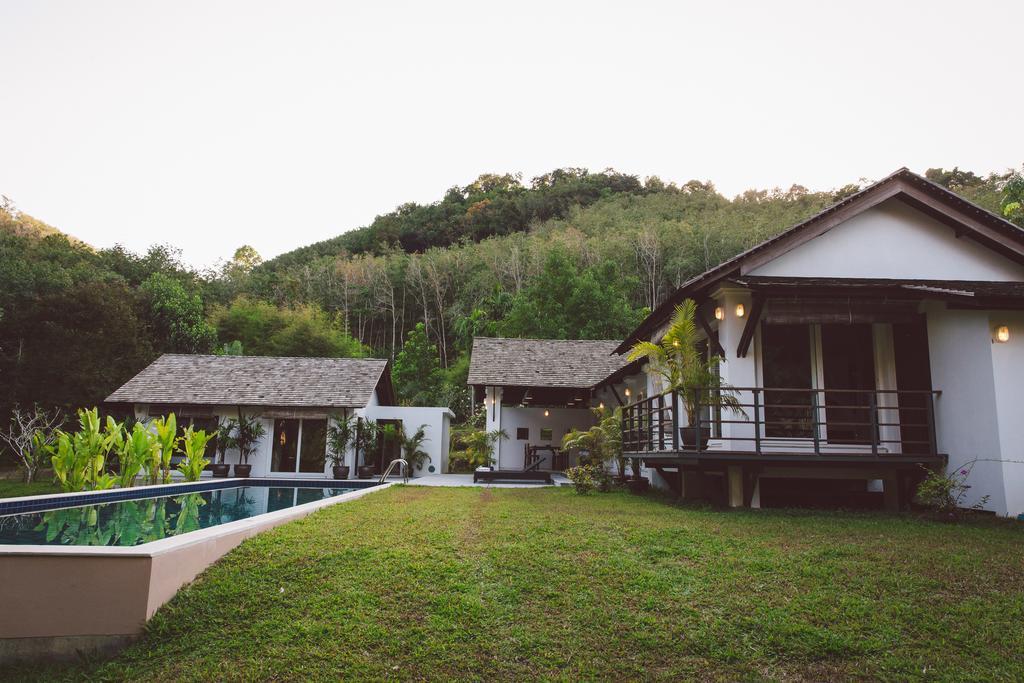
x,y
719,313
740,311
627,392
546,412
1002,334
600,406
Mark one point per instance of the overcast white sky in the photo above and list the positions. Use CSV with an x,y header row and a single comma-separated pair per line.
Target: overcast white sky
x,y
214,124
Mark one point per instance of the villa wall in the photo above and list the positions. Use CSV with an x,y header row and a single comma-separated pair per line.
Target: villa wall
x,y
436,419
559,420
888,241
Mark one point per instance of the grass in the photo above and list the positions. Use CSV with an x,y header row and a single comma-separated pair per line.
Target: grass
x,y
514,584
13,488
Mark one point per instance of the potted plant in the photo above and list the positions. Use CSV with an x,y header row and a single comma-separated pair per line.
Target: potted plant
x,y
339,436
225,441
686,372
412,448
366,440
248,432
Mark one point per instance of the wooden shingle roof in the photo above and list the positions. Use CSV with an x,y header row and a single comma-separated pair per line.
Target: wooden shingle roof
x,y
575,364
257,381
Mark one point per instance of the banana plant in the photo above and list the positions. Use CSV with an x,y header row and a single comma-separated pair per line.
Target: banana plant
x,y
166,430
70,466
134,450
195,447
79,459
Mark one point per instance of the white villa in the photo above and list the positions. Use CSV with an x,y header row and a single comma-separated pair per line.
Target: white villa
x,y
294,399
883,336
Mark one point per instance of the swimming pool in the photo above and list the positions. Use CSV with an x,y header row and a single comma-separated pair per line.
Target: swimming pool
x,y
83,572
134,521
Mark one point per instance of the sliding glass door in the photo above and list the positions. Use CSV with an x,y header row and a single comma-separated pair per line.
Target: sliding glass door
x,y
802,359
300,446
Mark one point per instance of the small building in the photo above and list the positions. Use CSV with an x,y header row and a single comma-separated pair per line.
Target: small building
x,y
881,337
537,390
294,398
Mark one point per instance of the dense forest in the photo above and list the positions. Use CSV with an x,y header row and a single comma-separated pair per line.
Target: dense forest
x,y
570,254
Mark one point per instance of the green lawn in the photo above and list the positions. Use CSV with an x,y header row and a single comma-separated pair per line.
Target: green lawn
x,y
12,488
517,584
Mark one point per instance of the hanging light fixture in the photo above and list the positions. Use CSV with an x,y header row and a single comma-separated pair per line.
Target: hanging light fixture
x,y
601,405
740,311
675,343
719,313
1003,334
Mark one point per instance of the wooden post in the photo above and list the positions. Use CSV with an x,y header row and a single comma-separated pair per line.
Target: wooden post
x,y
734,473
891,492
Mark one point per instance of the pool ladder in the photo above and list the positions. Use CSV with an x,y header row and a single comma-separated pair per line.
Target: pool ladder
x,y
391,467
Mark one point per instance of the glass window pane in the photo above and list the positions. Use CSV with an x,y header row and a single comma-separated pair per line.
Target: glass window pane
x,y
286,438
314,446
787,365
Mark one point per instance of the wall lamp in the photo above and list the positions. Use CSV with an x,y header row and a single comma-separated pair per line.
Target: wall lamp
x,y
719,313
1003,334
740,310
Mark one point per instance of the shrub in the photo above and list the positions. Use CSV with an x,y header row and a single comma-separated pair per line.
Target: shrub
x,y
587,478
944,492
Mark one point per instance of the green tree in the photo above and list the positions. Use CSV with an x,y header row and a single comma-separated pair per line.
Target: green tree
x,y
266,330
177,316
417,371
565,302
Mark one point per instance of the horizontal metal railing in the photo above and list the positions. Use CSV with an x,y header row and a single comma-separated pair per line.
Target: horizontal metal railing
x,y
879,421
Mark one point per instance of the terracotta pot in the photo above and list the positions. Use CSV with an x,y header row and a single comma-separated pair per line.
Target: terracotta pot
x,y
689,435
366,471
340,471
220,469
243,470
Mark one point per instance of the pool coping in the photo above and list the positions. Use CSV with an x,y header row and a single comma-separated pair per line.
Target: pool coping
x,y
164,545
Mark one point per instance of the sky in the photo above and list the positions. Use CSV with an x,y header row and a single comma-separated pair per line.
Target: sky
x,y
213,124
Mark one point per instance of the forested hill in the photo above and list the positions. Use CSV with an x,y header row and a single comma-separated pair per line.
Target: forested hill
x,y
569,254
491,205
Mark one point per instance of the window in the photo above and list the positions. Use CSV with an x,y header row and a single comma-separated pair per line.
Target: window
x,y
299,445
546,434
523,433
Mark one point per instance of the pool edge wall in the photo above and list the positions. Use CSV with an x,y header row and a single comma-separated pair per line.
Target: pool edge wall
x,y
63,601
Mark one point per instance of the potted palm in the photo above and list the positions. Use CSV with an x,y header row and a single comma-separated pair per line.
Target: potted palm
x,y
339,436
225,441
366,441
685,371
412,448
248,431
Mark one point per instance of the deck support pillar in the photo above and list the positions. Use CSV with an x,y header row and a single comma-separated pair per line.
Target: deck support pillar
x,y
891,492
734,475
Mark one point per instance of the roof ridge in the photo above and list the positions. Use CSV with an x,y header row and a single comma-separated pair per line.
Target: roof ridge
x,y
215,355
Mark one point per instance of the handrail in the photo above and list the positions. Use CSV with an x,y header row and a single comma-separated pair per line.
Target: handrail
x,y
404,470
878,421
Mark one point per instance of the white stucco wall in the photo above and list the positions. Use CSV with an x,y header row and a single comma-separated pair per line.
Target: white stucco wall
x,y
893,240
1008,371
437,421
967,414
560,420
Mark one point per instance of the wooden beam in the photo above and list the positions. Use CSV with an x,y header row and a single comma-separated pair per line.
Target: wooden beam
x,y
750,327
712,337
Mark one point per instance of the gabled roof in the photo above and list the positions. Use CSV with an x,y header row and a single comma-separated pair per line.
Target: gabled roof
x,y
258,381
968,219
573,364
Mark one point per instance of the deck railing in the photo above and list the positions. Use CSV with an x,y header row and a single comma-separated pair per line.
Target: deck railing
x,y
861,421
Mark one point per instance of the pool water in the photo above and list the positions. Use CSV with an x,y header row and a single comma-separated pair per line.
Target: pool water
x,y
137,521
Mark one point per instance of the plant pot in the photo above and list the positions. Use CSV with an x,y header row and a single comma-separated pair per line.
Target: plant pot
x,y
639,485
220,469
243,470
689,435
340,471
366,471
